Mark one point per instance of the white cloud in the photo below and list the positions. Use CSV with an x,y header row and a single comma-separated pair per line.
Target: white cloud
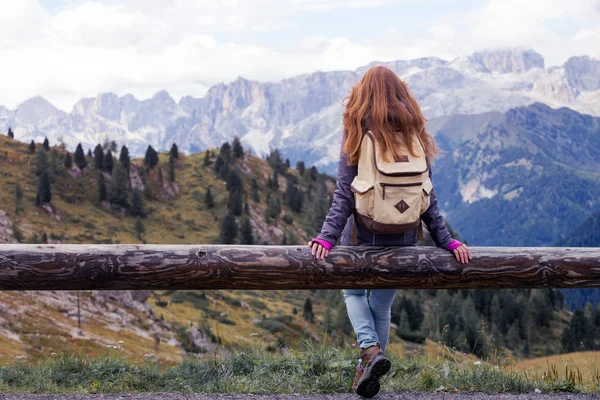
x,y
142,46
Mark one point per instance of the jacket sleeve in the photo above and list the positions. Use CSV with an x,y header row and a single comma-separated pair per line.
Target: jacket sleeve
x,y
343,202
435,222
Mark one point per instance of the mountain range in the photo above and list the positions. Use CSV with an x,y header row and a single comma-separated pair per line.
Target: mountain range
x,y
302,115
527,177
522,140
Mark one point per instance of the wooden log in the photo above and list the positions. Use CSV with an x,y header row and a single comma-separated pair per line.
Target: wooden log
x,y
88,267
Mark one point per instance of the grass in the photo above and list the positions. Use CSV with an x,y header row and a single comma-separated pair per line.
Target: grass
x,y
312,368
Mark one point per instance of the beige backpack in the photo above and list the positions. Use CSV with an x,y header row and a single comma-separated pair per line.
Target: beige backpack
x,y
391,196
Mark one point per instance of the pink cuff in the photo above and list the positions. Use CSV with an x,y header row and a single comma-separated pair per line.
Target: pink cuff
x,y
323,243
453,245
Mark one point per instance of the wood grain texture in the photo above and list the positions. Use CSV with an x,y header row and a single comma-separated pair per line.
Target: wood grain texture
x,y
91,267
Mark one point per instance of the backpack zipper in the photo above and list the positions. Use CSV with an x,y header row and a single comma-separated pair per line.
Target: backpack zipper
x,y
383,185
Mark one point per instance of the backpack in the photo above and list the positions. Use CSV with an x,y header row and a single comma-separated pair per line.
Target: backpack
x,y
391,196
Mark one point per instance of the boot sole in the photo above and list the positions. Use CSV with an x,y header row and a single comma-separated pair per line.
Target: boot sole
x,y
369,385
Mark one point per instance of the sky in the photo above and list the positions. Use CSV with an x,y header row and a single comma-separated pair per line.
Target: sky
x,y
64,50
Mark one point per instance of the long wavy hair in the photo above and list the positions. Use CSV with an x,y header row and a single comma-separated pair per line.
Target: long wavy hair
x,y
382,103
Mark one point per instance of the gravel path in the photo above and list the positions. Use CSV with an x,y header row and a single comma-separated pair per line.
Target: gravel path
x,y
382,396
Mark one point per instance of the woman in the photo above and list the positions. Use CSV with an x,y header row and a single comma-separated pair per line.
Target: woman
x,y
381,106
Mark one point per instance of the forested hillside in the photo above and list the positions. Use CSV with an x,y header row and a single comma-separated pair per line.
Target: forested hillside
x,y
228,196
585,235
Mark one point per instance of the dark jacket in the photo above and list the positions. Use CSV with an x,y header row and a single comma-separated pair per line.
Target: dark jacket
x,y
340,220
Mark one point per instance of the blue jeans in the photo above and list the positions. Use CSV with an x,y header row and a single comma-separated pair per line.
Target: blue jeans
x,y
370,317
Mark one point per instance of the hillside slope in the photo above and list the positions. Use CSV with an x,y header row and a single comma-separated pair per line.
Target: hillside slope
x,y
524,180
176,211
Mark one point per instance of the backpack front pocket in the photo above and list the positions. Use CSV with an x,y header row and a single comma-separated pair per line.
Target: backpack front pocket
x,y
363,197
401,202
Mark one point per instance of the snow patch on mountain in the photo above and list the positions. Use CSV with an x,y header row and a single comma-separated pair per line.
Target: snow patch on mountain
x,y
474,190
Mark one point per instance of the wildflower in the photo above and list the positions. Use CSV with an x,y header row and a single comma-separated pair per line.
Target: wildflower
x,y
465,354
537,391
477,363
353,344
254,334
53,354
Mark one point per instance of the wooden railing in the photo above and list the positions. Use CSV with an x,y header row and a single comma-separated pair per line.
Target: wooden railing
x,y
90,267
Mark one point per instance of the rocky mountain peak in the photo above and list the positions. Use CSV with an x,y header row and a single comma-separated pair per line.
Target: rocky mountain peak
x,y
163,97
37,110
502,61
583,72
108,105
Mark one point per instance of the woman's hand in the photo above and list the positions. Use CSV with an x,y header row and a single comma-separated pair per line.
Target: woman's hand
x,y
462,253
318,250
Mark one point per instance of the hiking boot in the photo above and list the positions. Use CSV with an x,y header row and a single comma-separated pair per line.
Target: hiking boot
x,y
358,372
376,364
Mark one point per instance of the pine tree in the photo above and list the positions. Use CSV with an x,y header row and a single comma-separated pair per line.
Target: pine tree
x,y
55,163
246,236
44,193
275,181
46,144
273,209
307,312
139,228
124,158
68,161
137,208
174,152
300,167
225,152
206,158
219,163
44,238
209,201
228,230
275,160
294,197
254,193
238,150
234,180
102,196
224,171
18,198
320,206
34,238
119,186
172,161
80,160
234,203
98,157
32,147
41,162
89,154
10,133
286,164
108,163
151,157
